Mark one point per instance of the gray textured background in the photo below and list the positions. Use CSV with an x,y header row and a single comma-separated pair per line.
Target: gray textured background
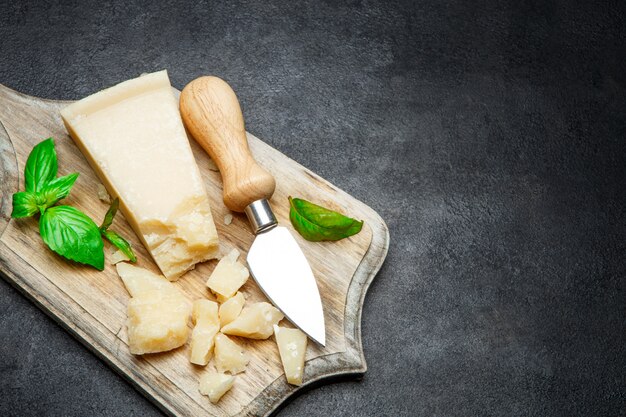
x,y
490,135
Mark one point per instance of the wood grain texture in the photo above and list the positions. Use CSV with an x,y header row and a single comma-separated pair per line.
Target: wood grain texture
x,y
92,305
211,113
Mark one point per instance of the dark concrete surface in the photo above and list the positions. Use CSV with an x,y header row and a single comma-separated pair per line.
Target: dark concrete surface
x,y
490,135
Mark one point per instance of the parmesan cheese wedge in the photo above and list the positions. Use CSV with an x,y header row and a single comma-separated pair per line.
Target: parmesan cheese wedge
x,y
231,308
133,137
255,322
207,324
229,356
228,276
215,385
292,348
157,312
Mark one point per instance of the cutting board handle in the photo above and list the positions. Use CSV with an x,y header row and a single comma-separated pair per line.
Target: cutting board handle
x,y
211,113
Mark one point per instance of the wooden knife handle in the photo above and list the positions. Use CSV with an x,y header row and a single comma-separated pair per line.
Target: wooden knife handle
x,y
211,113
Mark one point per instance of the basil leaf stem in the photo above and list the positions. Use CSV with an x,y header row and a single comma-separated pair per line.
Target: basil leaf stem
x,y
120,243
108,218
115,239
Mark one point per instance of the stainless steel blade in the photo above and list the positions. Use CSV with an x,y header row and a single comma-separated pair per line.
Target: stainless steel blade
x,y
280,268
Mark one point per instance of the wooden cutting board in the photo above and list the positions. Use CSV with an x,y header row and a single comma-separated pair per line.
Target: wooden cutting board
x,y
92,305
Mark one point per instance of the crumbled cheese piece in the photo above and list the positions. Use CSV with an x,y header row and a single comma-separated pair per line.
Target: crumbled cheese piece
x,y
231,308
103,195
292,348
215,385
207,324
228,276
157,312
229,356
118,256
255,322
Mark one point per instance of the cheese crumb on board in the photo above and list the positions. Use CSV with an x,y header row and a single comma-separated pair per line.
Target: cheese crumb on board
x,y
255,321
103,195
118,256
229,356
133,137
215,385
228,276
231,308
228,219
292,348
207,324
157,312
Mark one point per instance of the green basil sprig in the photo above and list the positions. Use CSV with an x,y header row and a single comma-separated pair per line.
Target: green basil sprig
x,y
115,239
65,229
316,223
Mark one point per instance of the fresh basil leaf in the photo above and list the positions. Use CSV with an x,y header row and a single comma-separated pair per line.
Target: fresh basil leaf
x,y
24,204
108,218
58,189
120,243
316,223
41,166
72,234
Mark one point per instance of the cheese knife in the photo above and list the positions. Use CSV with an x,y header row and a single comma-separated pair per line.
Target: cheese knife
x,y
211,113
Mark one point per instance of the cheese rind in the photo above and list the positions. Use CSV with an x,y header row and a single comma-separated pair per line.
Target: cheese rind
x,y
292,348
255,322
133,136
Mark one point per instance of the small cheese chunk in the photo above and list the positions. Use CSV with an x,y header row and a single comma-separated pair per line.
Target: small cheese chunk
x,y
292,348
229,356
228,276
207,324
255,322
231,308
103,195
157,312
139,280
118,256
157,322
133,137
215,385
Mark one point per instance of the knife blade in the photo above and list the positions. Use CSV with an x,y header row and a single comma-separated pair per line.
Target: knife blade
x,y
211,113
